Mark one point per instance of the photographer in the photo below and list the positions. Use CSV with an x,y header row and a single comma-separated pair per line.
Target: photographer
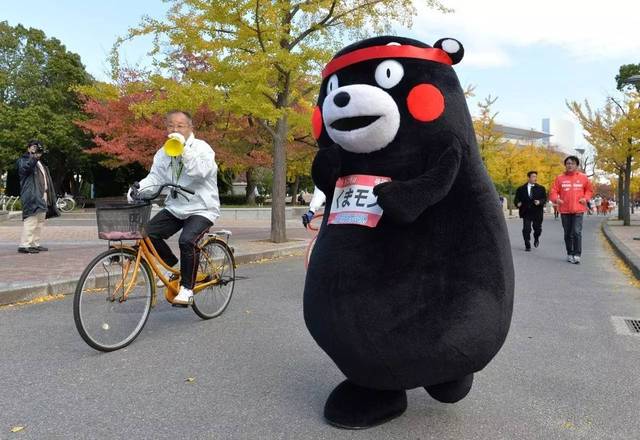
x,y
37,195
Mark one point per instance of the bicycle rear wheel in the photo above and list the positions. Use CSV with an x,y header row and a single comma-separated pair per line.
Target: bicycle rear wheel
x,y
216,263
105,317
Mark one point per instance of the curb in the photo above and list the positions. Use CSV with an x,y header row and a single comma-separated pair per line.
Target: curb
x,y
7,215
68,286
621,250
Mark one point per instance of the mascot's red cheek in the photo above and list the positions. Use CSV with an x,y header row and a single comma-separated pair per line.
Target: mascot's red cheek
x,y
316,121
425,102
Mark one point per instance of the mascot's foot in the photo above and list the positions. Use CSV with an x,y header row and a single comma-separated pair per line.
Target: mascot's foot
x,y
354,407
451,392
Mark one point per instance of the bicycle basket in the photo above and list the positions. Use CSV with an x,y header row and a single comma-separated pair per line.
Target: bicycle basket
x,y
122,221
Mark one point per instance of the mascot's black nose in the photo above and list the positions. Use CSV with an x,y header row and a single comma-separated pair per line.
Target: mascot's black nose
x,y
341,99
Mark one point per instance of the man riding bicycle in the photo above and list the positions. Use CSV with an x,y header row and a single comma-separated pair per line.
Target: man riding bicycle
x,y
195,168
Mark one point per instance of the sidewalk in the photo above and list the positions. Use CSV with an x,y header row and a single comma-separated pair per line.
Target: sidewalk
x,y
625,241
72,242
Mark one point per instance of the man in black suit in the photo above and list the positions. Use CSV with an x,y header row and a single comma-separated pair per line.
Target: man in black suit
x,y
530,200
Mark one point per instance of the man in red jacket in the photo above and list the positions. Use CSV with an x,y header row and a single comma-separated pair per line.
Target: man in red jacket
x,y
570,191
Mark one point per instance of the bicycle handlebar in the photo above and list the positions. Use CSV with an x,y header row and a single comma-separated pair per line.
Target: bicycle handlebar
x,y
157,193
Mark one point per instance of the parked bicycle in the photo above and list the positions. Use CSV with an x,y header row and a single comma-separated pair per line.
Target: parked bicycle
x,y
117,290
7,203
66,203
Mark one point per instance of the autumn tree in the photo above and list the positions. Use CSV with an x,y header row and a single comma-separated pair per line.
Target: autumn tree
x,y
614,131
489,139
253,54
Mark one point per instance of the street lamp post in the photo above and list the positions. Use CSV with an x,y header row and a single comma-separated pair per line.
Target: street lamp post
x,y
633,80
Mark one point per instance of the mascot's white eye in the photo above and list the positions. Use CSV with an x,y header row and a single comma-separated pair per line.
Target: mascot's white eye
x,y
332,84
389,73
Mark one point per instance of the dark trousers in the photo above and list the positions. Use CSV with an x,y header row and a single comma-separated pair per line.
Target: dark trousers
x,y
163,225
527,222
572,225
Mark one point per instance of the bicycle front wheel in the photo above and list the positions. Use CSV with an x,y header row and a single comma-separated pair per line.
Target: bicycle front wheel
x,y
216,264
66,205
111,303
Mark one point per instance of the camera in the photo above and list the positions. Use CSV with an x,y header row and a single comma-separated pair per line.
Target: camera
x,y
40,149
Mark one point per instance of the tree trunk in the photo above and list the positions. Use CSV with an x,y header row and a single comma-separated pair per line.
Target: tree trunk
x,y
278,204
294,191
251,188
620,193
626,193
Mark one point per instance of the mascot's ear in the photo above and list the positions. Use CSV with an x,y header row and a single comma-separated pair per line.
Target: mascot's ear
x,y
452,47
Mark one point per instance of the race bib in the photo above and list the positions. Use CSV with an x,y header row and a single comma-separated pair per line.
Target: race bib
x,y
354,203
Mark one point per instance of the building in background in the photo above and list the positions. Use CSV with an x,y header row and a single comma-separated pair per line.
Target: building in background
x,y
523,136
563,132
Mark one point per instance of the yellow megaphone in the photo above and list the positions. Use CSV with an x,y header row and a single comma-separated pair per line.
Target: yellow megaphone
x,y
174,145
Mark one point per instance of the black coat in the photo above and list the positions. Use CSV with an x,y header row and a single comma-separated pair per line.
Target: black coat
x,y
32,189
528,208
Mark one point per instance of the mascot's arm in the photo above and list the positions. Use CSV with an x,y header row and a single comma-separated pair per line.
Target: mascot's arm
x,y
326,169
404,201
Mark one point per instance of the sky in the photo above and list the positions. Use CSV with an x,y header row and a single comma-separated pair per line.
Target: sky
x,y
532,55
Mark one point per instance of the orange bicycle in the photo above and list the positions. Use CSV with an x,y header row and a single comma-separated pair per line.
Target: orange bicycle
x,y
117,290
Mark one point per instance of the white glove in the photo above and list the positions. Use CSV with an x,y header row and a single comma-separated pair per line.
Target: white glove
x,y
178,137
129,197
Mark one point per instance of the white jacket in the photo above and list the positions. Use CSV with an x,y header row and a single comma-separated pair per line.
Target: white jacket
x,y
199,174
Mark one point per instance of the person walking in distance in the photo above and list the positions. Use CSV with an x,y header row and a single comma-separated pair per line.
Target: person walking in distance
x,y
570,191
604,206
530,199
37,196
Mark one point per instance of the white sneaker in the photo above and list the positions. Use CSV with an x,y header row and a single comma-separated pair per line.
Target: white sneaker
x,y
570,258
185,296
576,259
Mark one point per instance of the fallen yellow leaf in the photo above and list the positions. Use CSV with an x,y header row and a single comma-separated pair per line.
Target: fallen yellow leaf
x,y
190,379
17,428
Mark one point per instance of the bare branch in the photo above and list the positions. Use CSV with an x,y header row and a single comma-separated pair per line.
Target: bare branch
x,y
258,31
618,104
314,27
264,125
303,140
270,98
224,31
352,10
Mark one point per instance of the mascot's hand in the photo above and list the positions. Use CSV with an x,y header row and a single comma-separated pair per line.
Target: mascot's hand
x,y
392,202
326,168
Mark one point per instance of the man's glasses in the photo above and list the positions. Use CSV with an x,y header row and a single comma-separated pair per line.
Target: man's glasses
x,y
177,127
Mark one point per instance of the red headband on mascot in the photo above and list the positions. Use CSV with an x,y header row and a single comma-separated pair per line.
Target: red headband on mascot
x,y
425,101
393,51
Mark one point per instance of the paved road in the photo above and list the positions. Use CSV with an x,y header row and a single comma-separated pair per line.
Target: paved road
x,y
564,372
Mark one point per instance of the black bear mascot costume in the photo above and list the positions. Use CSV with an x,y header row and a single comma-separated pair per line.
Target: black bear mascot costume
x,y
410,283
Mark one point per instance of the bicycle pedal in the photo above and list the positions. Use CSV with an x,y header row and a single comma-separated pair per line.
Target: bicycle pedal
x,y
181,306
